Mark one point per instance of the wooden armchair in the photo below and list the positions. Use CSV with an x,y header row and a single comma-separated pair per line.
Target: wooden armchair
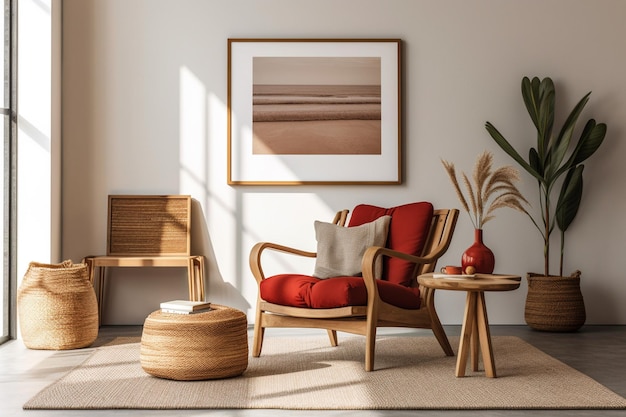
x,y
382,303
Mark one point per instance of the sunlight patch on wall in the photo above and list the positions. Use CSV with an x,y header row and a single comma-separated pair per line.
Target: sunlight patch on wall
x,y
192,134
202,118
217,142
223,202
289,221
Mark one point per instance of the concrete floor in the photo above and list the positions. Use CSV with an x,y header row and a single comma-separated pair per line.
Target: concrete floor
x,y
598,351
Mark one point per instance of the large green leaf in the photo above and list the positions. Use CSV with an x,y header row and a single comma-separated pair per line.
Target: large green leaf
x,y
590,140
561,144
570,123
536,163
531,100
510,150
547,97
539,97
570,197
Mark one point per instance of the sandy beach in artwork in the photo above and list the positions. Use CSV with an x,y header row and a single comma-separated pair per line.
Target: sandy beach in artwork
x,y
320,137
316,119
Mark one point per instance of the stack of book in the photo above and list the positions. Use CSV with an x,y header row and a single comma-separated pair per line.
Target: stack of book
x,y
185,307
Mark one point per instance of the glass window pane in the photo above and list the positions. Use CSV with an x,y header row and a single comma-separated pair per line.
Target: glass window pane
x,y
4,287
5,168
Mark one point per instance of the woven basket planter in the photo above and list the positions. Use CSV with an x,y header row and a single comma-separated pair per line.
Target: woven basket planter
x,y
188,347
554,303
57,307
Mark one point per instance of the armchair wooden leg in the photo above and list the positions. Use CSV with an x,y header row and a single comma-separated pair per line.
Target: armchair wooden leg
x,y
436,326
257,343
370,337
259,332
332,335
441,336
370,349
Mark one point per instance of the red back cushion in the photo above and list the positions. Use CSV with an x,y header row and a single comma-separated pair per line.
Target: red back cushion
x,y
408,232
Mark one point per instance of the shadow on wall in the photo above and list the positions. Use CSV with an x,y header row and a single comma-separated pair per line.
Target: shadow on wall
x,y
215,287
610,309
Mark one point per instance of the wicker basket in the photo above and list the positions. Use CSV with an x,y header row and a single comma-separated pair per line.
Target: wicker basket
x,y
554,303
189,347
57,306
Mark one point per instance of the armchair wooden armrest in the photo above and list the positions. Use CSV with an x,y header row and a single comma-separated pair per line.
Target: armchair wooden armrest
x,y
373,252
369,261
258,249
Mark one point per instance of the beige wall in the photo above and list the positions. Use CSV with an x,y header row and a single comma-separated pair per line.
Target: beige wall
x,y
144,111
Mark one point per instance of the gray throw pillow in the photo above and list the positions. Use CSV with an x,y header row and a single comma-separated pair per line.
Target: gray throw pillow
x,y
340,249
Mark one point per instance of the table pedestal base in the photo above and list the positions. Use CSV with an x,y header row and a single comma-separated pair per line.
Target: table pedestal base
x,y
475,336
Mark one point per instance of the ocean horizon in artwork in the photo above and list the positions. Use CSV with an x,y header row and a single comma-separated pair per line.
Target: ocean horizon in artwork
x,y
311,119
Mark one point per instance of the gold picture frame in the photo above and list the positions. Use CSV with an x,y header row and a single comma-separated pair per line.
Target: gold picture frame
x,y
314,111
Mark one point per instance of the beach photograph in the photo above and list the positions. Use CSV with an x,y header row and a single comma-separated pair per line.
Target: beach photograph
x,y
316,105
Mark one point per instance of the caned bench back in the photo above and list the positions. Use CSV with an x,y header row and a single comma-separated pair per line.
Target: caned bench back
x,y
149,225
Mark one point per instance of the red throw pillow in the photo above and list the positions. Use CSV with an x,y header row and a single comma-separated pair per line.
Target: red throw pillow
x,y
408,232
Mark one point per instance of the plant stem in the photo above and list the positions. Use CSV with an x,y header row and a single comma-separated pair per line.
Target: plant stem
x,y
546,236
562,252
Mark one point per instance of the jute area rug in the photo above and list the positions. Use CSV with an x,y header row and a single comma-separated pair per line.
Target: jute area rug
x,y
305,373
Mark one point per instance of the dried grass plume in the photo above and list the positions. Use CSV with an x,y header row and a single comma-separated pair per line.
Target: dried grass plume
x,y
490,190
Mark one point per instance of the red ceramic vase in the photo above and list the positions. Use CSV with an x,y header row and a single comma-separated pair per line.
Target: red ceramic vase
x,y
478,255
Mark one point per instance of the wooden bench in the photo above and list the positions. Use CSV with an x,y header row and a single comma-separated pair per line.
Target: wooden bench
x,y
149,231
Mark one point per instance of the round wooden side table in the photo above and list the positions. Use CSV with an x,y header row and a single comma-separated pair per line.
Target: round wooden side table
x,y
188,347
475,333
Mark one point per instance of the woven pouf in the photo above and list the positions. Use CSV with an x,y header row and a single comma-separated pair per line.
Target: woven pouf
x,y
189,347
57,306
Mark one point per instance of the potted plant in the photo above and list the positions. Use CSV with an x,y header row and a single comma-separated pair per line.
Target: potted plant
x,y
554,302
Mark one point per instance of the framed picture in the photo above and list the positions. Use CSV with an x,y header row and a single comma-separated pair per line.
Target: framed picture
x,y
314,111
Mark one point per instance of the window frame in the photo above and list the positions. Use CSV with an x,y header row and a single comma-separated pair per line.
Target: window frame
x,y
8,110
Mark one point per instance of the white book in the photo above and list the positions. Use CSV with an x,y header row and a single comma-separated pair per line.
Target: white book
x,y
172,311
185,305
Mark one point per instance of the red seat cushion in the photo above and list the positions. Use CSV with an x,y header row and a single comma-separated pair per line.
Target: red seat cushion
x,y
408,232
310,292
